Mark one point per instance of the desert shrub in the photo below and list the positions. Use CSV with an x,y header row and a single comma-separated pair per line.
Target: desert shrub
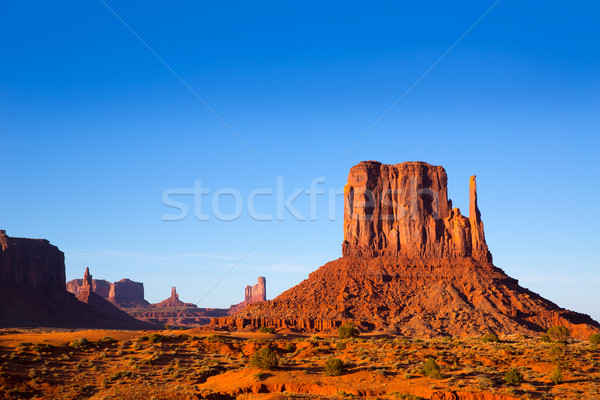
x,y
79,343
340,346
406,396
595,339
334,367
184,336
115,376
431,369
25,345
485,382
513,377
264,358
490,337
290,347
108,339
558,333
216,338
557,352
156,337
556,375
347,331
266,329
545,338
260,376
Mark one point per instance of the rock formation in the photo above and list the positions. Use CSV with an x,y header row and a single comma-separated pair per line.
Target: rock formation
x,y
33,263
256,293
412,265
173,301
127,293
33,291
124,293
86,295
252,294
175,312
403,210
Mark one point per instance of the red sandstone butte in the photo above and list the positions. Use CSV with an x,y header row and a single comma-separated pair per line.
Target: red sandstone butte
x,y
86,295
33,291
403,210
252,294
33,263
176,313
412,265
124,293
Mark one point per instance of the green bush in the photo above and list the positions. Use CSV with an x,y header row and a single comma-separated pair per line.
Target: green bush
x,y
490,337
347,331
595,339
290,347
556,375
79,343
108,339
431,369
406,396
156,337
265,329
334,367
340,346
264,358
513,377
558,333
545,338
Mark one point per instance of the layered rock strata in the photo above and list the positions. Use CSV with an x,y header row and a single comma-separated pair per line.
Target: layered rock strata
x,y
412,265
124,293
403,210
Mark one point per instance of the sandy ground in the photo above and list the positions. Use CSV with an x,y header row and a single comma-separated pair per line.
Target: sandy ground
x,y
196,364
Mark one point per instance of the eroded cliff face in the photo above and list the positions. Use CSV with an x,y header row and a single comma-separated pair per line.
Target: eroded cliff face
x,y
33,263
256,293
403,210
412,265
124,293
127,293
33,291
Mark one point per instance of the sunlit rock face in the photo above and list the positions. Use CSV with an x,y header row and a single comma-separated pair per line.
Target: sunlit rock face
x,y
403,210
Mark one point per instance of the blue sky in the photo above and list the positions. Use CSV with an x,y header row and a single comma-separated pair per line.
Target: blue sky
x,y
94,128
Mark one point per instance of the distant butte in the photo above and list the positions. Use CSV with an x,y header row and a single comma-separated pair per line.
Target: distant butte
x,y
33,291
174,312
124,293
412,265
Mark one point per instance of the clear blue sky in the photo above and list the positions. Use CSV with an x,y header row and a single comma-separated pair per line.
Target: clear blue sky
x,y
94,128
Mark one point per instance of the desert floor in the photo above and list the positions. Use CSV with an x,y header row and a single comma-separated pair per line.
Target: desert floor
x,y
196,364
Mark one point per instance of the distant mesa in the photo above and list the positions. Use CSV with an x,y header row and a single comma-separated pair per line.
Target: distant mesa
x,y
32,263
252,294
86,295
173,301
174,312
412,265
33,291
124,293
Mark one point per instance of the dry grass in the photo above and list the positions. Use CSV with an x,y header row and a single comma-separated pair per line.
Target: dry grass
x,y
178,365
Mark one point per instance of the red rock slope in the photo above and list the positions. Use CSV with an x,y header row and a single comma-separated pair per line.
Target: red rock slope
x,y
412,265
